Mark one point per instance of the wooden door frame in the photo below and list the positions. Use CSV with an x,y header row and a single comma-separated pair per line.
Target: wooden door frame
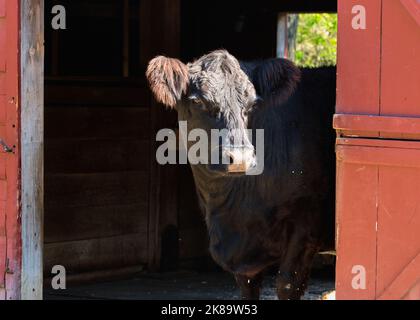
x,y
163,200
29,277
22,192
32,146
31,106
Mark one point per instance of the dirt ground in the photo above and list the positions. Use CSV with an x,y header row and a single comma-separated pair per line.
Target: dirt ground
x,y
177,286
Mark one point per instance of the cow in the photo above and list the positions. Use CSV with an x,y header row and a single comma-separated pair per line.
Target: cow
x,y
284,216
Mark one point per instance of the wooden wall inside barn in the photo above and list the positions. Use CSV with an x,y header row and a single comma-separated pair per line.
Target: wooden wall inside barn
x,y
97,147
108,204
99,137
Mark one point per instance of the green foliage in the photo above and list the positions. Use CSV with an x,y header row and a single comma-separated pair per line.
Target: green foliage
x,y
316,40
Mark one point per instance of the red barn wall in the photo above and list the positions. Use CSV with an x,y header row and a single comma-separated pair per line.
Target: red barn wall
x,y
10,242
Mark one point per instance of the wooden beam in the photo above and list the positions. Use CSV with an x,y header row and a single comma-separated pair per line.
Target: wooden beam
x,y
55,49
404,285
99,275
126,38
166,16
145,32
10,193
32,145
282,38
392,127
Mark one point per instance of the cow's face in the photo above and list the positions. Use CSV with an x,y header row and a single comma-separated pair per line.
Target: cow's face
x,y
210,93
215,93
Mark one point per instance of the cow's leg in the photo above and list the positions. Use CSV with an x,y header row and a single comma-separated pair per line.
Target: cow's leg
x,y
293,274
249,286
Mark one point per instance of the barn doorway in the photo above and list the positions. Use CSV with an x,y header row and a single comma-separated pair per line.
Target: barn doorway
x,y
120,224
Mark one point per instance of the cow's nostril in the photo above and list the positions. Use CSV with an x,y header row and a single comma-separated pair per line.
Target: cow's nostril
x,y
231,160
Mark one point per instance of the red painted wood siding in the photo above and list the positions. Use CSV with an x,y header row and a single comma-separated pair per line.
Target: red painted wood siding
x,y
400,94
358,55
10,243
378,208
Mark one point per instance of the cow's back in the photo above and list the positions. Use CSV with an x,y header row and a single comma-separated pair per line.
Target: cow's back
x,y
299,138
299,150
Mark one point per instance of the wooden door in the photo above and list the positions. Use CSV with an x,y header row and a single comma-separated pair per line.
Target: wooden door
x,y
21,132
378,179
398,249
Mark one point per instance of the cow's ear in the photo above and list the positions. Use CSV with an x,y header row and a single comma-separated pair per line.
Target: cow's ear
x,y
276,77
168,79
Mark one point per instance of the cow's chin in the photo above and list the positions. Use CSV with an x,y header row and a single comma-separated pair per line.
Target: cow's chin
x,y
223,171
229,170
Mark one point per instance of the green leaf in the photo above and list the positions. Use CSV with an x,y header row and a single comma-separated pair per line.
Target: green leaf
x,y
316,40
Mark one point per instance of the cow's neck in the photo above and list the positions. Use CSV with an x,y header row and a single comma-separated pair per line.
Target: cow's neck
x,y
212,189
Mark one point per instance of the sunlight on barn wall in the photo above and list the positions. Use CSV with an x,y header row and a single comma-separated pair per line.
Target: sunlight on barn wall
x,y
316,40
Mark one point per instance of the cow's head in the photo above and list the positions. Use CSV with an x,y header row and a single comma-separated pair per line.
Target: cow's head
x,y
214,92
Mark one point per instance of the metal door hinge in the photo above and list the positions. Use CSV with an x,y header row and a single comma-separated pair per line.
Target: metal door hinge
x,y
5,147
8,270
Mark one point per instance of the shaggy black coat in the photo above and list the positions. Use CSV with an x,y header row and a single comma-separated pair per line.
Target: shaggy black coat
x,y
285,215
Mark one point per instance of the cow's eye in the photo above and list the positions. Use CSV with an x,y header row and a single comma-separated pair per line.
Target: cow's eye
x,y
195,100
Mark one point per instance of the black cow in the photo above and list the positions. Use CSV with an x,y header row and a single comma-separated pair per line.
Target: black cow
x,y
285,215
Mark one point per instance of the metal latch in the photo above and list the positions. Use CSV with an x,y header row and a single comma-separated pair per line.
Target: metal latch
x,y
5,147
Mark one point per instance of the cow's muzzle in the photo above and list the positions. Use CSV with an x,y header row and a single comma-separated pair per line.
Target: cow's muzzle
x,y
239,159
234,160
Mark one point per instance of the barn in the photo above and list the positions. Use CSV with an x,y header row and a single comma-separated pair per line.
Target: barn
x,y
79,184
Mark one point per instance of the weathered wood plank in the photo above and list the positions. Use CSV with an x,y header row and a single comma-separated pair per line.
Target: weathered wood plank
x,y
98,275
12,137
2,8
74,223
96,189
163,201
98,122
126,39
145,32
3,259
2,167
96,155
32,136
3,46
102,94
193,236
2,219
193,243
2,83
3,190
3,105
97,254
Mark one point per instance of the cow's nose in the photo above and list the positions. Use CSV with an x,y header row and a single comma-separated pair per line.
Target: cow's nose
x,y
240,159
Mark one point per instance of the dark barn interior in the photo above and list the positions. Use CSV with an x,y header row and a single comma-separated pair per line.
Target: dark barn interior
x,y
110,210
